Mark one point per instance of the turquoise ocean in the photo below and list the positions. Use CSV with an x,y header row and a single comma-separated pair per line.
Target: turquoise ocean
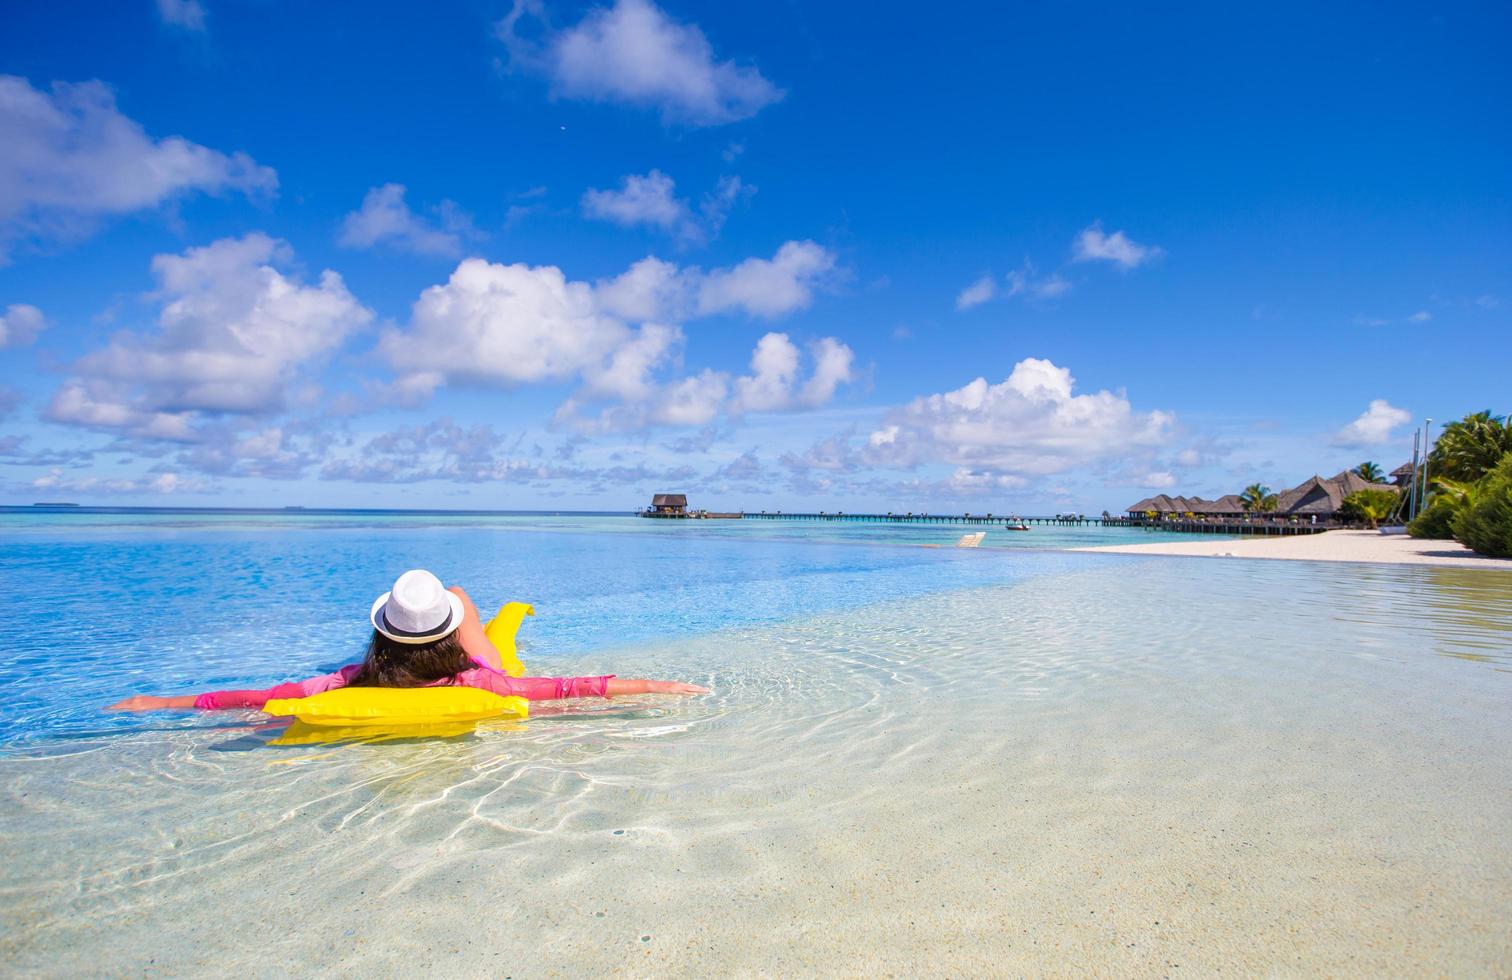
x,y
1012,758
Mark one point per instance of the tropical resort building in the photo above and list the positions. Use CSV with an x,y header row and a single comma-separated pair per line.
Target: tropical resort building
x,y
669,505
1315,501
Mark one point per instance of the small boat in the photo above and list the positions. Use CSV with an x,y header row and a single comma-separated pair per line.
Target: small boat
x,y
1021,526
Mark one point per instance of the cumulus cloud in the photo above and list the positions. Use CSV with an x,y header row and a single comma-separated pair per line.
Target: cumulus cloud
x,y
276,452
834,454
55,480
445,450
653,289
745,468
72,159
20,325
767,287
1031,424
634,54
977,293
385,219
775,385
188,14
1421,316
438,450
651,199
1374,425
515,324
1094,245
234,336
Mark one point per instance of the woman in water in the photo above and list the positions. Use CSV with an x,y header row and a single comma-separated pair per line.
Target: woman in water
x,y
423,636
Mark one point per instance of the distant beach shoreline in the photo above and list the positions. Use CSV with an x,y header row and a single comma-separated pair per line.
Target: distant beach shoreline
x,y
1347,546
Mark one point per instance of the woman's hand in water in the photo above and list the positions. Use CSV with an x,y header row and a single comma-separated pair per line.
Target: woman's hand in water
x,y
620,686
148,702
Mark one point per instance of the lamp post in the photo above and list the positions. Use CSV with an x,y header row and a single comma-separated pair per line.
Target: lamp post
x,y
1427,430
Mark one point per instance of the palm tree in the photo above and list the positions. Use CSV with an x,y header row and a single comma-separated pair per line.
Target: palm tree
x,y
1369,472
1369,507
1468,449
1257,497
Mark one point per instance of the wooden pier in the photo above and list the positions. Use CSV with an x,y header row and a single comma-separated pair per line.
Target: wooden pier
x,y
1260,526
674,507
1001,520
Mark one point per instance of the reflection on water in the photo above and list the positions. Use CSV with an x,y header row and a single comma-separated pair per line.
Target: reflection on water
x,y
1469,612
985,763
1453,612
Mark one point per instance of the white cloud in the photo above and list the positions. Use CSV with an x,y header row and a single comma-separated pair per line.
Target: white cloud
x,y
1094,245
832,368
438,450
1374,425
1157,480
966,482
633,53
1030,424
1421,316
509,323
693,400
768,287
161,483
774,382
20,325
188,14
717,204
834,455
519,324
651,199
233,337
385,219
653,289
1024,282
641,200
71,159
977,293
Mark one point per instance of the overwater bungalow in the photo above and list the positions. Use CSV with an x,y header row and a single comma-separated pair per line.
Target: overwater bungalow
x,y
669,505
1315,500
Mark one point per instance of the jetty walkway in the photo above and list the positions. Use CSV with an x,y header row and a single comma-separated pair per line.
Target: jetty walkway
x,y
1265,525
1070,520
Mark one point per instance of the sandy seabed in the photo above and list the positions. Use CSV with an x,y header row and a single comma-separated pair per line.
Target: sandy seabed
x,y
1359,546
1154,767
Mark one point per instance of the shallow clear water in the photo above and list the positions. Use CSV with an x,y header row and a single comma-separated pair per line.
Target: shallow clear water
x,y
914,760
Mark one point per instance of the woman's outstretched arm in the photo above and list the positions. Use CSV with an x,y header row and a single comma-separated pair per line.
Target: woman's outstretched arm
x,y
618,686
148,702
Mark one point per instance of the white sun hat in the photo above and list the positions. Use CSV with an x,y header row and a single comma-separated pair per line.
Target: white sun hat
x,y
417,610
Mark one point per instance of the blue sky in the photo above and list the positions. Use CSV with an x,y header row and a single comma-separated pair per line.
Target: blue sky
x,y
1000,258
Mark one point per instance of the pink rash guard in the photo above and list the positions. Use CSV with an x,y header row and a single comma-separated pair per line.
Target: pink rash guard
x,y
484,678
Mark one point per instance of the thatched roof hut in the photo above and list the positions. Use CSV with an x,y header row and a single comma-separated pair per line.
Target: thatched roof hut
x,y
1162,504
1317,497
1314,497
669,503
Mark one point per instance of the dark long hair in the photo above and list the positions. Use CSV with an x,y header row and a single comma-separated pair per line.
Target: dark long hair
x,y
390,663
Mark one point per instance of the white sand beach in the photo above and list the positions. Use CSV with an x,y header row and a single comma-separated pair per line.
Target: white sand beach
x,y
1356,546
